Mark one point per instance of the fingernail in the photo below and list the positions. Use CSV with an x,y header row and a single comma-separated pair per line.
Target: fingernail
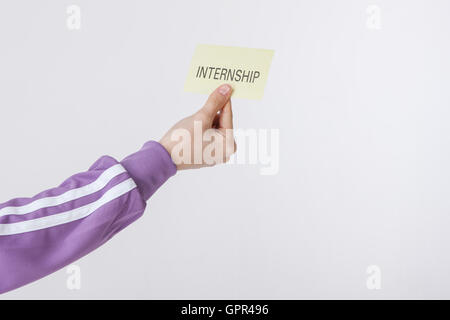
x,y
224,89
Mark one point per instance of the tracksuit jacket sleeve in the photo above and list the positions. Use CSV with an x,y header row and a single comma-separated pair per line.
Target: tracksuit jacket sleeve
x,y
42,234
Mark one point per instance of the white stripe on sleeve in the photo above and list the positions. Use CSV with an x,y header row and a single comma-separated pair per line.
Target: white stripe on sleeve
x,y
70,195
68,216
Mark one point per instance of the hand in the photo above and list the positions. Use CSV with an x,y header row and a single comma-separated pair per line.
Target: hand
x,y
206,137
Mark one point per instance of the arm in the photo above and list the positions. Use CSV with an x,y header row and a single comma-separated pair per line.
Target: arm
x,y
42,234
57,227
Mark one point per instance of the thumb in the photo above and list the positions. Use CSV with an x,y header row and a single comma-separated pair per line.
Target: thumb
x,y
217,100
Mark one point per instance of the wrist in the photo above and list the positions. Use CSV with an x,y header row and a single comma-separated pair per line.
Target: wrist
x,y
150,167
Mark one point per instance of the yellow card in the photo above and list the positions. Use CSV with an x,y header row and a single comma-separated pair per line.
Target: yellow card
x,y
245,69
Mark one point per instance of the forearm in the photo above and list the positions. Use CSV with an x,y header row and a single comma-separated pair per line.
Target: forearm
x,y
42,234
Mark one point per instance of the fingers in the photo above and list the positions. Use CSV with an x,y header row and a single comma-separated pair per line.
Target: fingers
x,y
217,100
226,116
225,127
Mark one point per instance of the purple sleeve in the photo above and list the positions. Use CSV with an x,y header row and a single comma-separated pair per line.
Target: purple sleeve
x,y
42,234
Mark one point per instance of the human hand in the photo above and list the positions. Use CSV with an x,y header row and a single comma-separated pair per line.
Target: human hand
x,y
206,137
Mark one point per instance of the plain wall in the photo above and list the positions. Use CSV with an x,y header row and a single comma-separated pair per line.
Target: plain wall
x,y
364,175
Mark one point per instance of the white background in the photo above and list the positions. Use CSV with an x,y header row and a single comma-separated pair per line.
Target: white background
x,y
363,116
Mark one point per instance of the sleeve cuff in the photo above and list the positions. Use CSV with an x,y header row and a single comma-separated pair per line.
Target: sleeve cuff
x,y
150,167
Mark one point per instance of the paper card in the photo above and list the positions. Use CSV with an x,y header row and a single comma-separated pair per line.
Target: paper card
x,y
245,69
